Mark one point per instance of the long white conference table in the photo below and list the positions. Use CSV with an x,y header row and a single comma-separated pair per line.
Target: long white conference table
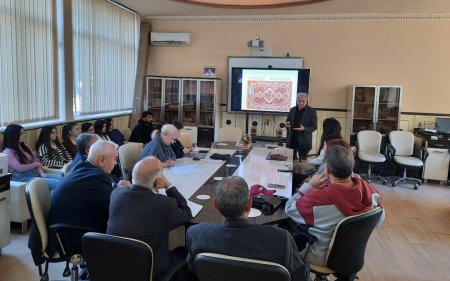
x,y
196,180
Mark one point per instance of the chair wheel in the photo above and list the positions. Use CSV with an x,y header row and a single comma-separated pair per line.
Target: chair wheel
x,y
44,277
419,183
393,184
416,187
66,272
385,182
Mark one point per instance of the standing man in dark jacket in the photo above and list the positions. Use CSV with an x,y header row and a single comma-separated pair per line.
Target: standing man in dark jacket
x,y
301,122
143,130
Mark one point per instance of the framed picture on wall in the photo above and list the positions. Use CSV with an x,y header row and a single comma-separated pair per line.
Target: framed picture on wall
x,y
209,71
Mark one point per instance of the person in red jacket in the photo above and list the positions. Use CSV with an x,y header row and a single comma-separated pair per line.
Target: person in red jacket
x,y
329,197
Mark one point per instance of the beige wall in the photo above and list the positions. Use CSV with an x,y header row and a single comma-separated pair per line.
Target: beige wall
x,y
409,50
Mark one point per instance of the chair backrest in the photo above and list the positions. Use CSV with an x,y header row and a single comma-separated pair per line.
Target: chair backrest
x,y
110,258
403,142
185,139
230,134
39,202
66,168
126,133
348,245
217,267
369,141
129,154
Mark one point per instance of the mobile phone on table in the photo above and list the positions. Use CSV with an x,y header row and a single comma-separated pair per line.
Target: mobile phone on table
x,y
276,185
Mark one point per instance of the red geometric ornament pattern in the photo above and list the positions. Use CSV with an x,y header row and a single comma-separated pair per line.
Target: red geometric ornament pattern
x,y
269,95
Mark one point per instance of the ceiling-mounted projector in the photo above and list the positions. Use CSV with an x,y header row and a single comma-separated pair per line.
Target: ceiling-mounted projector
x,y
257,43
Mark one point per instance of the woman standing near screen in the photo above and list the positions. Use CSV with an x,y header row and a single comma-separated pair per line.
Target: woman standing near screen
x,y
301,123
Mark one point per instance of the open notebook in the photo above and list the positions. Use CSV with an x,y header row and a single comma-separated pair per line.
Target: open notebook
x,y
195,208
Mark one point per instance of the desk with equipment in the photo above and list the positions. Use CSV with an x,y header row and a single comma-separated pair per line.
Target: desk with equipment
x,y
196,180
437,143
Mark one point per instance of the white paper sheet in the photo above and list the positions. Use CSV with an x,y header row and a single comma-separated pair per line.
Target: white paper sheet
x,y
195,208
185,170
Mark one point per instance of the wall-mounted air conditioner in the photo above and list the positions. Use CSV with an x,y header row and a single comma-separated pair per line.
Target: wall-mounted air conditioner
x,y
170,38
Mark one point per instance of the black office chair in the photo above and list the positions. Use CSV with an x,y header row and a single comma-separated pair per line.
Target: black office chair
x,y
348,245
217,267
111,258
38,200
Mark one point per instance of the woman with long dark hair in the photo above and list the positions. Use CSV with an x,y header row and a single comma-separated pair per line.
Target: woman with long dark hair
x,y
330,127
50,151
100,129
21,163
70,133
87,127
115,135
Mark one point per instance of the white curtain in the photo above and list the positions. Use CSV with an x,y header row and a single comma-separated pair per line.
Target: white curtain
x,y
27,61
104,57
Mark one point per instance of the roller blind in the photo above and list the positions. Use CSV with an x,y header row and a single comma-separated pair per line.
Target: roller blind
x,y
27,61
104,57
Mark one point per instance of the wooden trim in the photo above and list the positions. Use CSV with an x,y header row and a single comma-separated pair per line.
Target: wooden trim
x,y
250,6
424,114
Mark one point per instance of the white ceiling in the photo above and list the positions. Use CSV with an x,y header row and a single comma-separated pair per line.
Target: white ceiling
x,y
167,8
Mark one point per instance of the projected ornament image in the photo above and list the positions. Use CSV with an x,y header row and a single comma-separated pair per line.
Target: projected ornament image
x,y
269,95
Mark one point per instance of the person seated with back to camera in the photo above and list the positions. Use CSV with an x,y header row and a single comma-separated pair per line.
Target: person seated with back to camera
x,y
83,197
22,164
50,151
160,146
140,212
84,143
236,236
178,148
329,197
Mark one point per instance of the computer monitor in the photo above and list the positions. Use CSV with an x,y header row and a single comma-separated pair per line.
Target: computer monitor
x,y
443,125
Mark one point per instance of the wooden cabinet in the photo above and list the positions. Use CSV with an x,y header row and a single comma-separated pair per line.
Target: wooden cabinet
x,y
373,107
192,101
163,99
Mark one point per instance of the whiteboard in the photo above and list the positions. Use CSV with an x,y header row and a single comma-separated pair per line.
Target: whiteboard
x,y
261,62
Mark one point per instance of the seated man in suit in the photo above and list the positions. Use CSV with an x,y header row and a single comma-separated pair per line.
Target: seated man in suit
x,y
82,198
237,237
140,212
84,142
160,146
329,197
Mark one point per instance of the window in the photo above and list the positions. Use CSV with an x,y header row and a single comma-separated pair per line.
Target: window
x,y
104,57
27,61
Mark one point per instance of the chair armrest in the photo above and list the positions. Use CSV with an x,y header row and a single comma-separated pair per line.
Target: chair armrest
x,y
57,226
424,153
390,151
48,170
302,229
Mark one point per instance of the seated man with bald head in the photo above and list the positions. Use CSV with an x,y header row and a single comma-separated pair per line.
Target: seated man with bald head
x,y
236,236
82,198
140,212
